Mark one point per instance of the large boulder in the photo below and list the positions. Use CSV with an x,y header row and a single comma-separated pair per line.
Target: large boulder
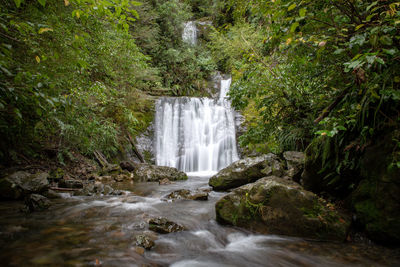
x,y
274,205
144,172
246,171
20,183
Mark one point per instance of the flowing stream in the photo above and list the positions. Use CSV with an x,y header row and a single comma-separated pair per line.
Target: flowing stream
x,y
197,136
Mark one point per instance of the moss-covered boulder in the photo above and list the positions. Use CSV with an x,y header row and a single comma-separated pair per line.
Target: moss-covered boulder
x,y
245,171
144,172
274,205
376,201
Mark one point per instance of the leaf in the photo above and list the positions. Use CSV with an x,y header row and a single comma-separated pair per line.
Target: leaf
x,y
302,12
42,2
380,60
42,30
294,26
292,6
386,40
372,5
390,51
37,59
66,2
359,27
18,3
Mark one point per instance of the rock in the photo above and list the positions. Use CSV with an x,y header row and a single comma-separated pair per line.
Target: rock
x,y
139,250
20,183
295,164
107,190
186,194
127,165
56,175
273,205
145,241
151,173
72,183
164,226
111,169
122,177
36,202
245,171
9,190
51,194
104,179
164,181
198,196
376,200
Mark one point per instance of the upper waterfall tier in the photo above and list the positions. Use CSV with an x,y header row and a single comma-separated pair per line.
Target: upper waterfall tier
x,y
195,134
189,34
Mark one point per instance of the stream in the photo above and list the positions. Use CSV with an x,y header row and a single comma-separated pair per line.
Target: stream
x,y
94,231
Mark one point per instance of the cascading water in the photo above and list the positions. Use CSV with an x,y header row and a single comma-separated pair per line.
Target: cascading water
x,y
189,34
196,134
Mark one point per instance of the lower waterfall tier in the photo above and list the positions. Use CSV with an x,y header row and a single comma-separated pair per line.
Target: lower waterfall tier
x,y
195,134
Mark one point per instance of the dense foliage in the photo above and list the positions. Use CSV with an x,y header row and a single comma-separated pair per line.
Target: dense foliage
x,y
79,75
320,72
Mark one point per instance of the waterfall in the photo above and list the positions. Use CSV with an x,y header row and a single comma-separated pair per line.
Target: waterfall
x,y
195,134
189,34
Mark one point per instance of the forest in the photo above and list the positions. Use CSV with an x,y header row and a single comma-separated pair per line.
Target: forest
x,y
83,81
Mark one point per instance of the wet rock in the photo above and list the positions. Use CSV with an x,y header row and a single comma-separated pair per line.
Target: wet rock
x,y
139,250
151,173
186,194
245,171
145,241
35,202
127,165
52,194
273,205
20,183
164,226
295,164
164,181
97,189
70,183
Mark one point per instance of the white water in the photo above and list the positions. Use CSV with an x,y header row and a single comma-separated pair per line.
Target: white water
x,y
189,34
196,134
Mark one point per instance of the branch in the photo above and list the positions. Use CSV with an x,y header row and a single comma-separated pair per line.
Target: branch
x,y
137,153
328,110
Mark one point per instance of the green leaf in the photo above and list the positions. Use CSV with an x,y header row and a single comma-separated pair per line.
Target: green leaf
x,y
292,6
18,3
359,27
302,12
390,51
294,27
386,40
42,2
380,60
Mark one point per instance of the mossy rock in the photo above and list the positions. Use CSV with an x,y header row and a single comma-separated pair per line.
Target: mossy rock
x,y
144,172
245,171
274,205
376,201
